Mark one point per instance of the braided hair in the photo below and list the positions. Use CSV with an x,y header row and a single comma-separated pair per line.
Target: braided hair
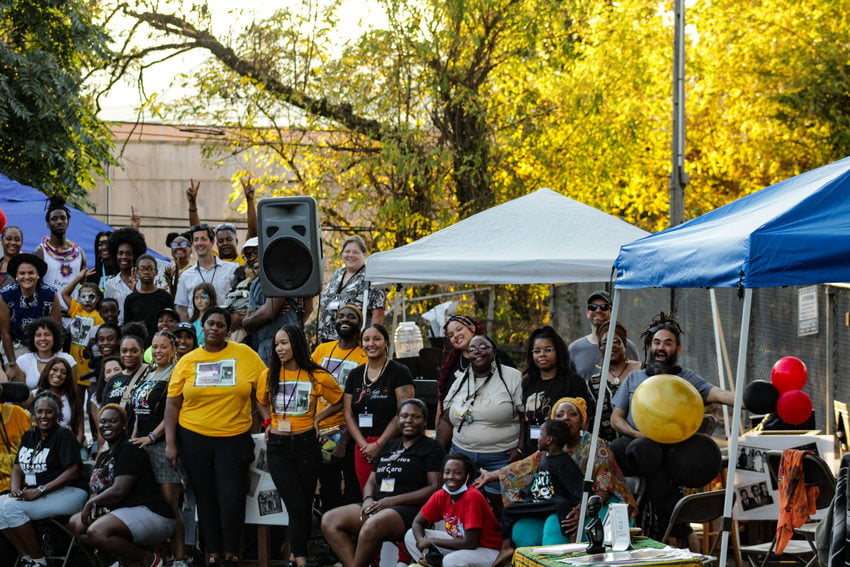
x,y
661,322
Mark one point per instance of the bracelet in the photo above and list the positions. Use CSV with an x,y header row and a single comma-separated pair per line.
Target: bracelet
x,y
12,363
152,435
370,496
195,210
267,422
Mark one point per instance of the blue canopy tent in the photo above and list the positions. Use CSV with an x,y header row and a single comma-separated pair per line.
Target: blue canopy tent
x,y
25,207
795,232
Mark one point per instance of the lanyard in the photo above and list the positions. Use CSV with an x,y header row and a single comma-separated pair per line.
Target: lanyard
x,y
200,273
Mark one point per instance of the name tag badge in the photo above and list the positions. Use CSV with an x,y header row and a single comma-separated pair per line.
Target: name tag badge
x,y
284,425
364,420
388,485
460,413
29,479
534,431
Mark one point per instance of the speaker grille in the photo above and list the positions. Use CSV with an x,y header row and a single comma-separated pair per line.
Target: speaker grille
x,y
287,263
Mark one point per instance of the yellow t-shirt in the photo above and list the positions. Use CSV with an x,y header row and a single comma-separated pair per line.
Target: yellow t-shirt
x,y
339,362
17,421
84,325
295,404
217,389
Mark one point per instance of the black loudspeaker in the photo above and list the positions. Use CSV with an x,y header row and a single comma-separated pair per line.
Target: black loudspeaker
x,y
291,262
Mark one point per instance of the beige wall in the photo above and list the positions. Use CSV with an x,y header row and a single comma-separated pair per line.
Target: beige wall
x,y
156,163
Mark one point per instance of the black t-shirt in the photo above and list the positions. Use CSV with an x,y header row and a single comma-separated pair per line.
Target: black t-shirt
x,y
378,398
539,397
147,403
132,460
145,307
557,476
606,432
43,460
399,470
114,389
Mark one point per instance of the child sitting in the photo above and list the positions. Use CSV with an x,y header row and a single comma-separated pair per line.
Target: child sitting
x,y
555,490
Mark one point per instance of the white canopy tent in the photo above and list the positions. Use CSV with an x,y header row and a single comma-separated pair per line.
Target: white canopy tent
x,y
540,238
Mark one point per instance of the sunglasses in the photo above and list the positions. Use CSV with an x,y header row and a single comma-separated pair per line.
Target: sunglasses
x,y
181,244
250,253
197,227
225,226
594,306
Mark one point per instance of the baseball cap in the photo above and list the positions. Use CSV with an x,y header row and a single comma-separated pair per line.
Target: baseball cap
x,y
253,242
601,294
170,311
184,326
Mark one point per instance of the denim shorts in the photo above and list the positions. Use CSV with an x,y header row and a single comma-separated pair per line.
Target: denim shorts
x,y
488,462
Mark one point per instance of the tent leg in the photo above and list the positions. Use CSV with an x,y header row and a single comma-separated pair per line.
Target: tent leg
x,y
718,349
736,423
597,419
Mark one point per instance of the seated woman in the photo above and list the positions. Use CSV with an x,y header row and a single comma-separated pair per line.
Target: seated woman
x,y
471,537
126,509
45,480
44,340
406,474
608,480
57,378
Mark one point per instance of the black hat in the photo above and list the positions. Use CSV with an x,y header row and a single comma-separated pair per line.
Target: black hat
x,y
170,311
185,326
601,294
26,258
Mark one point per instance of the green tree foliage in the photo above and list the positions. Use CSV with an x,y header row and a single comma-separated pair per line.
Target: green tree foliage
x,y
50,137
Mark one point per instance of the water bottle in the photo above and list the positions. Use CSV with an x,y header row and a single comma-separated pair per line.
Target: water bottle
x,y
408,340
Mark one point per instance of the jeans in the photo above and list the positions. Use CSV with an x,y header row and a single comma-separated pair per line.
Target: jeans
x,y
294,463
217,468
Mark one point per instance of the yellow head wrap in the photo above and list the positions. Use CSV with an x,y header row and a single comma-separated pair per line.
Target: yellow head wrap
x,y
579,403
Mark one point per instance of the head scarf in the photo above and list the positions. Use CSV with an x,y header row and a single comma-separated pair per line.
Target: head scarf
x,y
579,403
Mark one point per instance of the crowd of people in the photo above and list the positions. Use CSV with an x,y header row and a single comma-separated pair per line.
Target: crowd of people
x,y
147,381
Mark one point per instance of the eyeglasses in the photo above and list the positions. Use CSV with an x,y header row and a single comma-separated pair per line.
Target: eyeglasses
x,y
251,253
482,348
181,244
615,342
225,226
547,350
601,306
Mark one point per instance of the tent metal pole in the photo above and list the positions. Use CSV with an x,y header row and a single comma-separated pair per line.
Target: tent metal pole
x,y
718,348
736,424
828,413
597,418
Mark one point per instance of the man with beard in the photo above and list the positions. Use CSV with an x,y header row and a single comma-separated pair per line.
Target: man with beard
x,y
662,344
339,358
64,258
267,315
662,340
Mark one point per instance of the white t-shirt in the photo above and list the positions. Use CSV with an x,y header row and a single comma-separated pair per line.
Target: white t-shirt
x,y
28,362
495,407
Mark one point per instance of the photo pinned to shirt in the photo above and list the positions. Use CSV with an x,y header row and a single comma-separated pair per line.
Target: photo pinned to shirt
x,y
220,373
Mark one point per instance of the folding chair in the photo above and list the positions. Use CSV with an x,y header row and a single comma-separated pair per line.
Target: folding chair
x,y
815,472
700,508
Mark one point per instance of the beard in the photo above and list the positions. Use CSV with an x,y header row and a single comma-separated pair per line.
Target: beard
x,y
346,334
666,366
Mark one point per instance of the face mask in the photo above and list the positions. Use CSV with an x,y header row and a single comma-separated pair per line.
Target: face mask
x,y
460,490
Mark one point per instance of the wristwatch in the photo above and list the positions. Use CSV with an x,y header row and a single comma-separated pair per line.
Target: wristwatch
x,y
42,489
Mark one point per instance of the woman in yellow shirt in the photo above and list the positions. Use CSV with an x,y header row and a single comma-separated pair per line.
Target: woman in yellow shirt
x,y
207,423
288,393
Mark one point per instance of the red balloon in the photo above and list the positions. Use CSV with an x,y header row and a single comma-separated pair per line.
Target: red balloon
x,y
794,407
789,373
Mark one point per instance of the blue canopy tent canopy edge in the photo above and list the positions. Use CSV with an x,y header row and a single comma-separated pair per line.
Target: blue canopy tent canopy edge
x,y
790,233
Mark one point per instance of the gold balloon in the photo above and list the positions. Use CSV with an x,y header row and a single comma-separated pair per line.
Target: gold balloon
x,y
667,408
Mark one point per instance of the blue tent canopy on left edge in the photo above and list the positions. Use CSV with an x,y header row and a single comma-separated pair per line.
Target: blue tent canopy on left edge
x,y
25,207
795,232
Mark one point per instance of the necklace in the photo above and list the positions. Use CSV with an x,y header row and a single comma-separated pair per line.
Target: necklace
x,y
43,360
619,375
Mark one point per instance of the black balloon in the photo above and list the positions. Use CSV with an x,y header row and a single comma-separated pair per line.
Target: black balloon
x,y
644,456
693,462
760,396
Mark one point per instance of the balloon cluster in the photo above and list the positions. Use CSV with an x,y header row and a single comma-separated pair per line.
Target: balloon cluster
x,y
668,410
783,394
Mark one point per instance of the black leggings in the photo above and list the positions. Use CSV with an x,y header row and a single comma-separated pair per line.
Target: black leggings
x,y
294,463
218,473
